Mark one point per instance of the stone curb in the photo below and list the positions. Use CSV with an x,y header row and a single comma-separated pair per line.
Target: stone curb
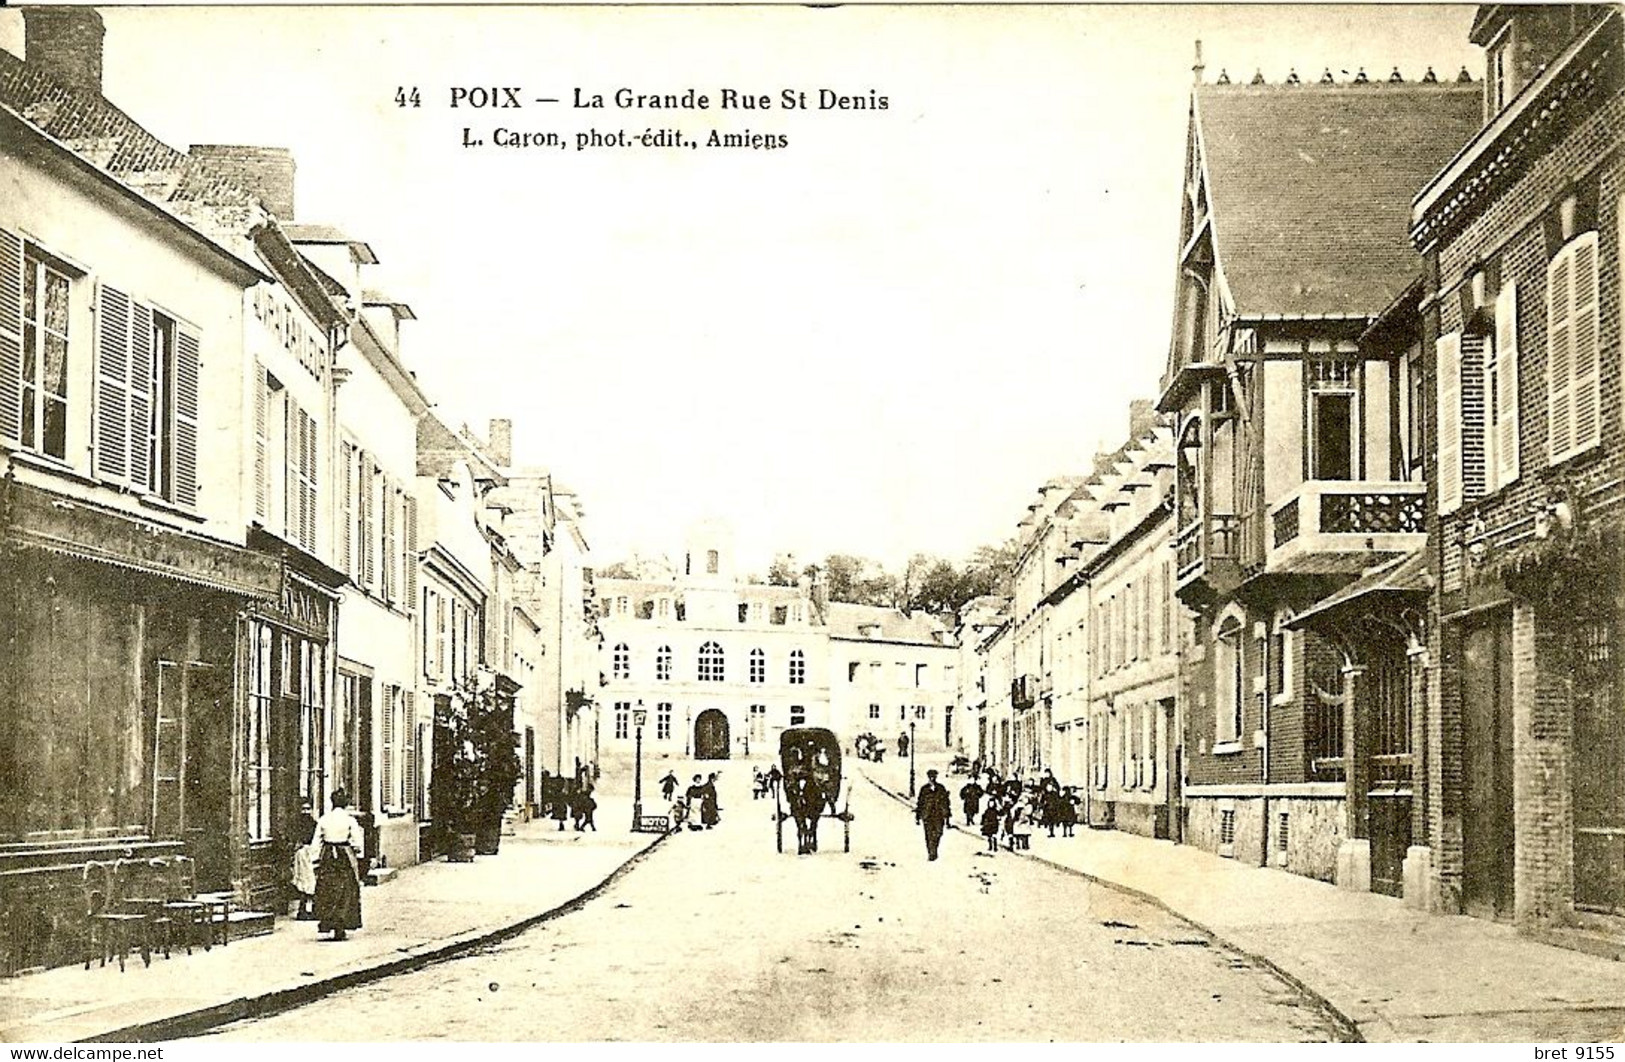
x,y
1348,1028
289,996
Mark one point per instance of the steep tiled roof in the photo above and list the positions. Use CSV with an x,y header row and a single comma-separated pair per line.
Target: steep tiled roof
x,y
1311,187
849,622
102,134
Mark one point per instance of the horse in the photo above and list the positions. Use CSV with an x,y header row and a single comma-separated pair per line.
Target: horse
x,y
806,806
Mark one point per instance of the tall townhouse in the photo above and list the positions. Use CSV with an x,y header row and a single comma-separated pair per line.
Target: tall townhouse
x,y
722,667
459,590
1044,547
1521,235
889,670
581,638
168,600
1291,477
995,728
976,620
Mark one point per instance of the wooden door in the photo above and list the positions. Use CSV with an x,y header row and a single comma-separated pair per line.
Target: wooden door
x,y
1599,768
1487,826
711,740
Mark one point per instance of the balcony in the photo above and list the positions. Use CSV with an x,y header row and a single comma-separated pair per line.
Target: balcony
x,y
1333,526
1024,692
1218,561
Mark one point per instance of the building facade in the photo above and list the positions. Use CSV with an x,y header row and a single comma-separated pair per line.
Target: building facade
x,y
891,673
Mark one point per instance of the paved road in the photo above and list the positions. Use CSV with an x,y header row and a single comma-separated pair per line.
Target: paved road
x,y
717,937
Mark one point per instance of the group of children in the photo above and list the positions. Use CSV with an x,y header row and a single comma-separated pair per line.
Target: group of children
x,y
1012,804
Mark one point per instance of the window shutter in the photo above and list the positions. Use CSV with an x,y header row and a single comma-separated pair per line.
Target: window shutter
x,y
1560,357
262,472
369,547
142,385
409,560
346,508
112,456
409,757
388,558
187,367
1505,429
387,747
11,337
1475,427
1448,363
1583,322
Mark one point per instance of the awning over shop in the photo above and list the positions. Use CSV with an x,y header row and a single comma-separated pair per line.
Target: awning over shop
x,y
67,527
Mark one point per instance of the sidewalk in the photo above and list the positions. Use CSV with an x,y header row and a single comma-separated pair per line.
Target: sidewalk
x,y
431,911
1394,973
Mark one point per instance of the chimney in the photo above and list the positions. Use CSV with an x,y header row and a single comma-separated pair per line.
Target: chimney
x,y
65,44
1142,417
501,444
266,172
1104,461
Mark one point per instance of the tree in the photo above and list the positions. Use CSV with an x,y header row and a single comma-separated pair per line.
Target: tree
x,y
782,572
476,764
618,570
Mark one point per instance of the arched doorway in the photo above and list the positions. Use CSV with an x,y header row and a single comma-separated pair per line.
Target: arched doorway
x,y
711,735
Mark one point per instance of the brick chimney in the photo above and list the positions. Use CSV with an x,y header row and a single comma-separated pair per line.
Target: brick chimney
x,y
65,44
263,171
501,442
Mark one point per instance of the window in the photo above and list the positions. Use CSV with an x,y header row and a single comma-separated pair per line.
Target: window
x,y
1228,695
1280,672
663,721
758,666
44,358
623,720
1498,74
1415,414
258,750
711,662
663,664
874,712
1572,380
758,722
1227,827
780,614
312,724
711,562
852,671
1333,431
919,675
744,611
798,668
646,609
798,715
621,662
920,713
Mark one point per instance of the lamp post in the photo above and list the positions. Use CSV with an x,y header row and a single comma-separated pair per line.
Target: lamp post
x,y
911,757
639,717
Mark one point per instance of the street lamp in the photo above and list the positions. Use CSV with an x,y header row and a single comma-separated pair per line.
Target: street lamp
x,y
639,717
911,757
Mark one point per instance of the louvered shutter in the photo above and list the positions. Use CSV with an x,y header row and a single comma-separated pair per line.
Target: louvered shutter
x,y
262,472
187,367
346,485
1559,357
409,756
142,384
387,555
311,480
1504,432
11,337
1583,321
112,420
1448,365
387,747
410,560
1474,417
369,548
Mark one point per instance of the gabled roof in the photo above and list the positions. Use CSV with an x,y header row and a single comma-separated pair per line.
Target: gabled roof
x,y
331,234
1311,187
847,621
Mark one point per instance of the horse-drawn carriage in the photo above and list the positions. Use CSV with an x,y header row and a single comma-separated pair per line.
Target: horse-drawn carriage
x,y
810,759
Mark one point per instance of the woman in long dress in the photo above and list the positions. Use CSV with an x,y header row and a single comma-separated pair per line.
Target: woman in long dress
x,y
338,875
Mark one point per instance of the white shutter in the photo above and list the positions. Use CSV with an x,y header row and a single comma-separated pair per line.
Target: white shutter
x,y
1474,417
1583,322
409,559
188,365
262,471
346,487
142,386
11,337
1504,432
112,420
1448,365
1560,356
369,547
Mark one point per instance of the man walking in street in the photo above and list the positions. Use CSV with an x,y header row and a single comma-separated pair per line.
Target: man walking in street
x,y
933,810
970,794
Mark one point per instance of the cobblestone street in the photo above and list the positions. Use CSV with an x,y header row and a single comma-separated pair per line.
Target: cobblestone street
x,y
718,937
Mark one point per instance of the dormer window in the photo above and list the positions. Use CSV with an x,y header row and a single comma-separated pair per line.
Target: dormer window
x,y
1498,83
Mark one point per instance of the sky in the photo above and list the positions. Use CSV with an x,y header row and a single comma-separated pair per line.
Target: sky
x,y
879,339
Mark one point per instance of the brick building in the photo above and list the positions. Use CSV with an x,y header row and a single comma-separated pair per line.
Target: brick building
x,y
1521,237
1291,472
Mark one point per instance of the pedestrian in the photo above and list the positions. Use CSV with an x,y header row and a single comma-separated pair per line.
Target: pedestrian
x,y
695,795
970,795
991,817
338,876
668,787
561,800
758,784
709,809
933,809
304,866
583,807
774,778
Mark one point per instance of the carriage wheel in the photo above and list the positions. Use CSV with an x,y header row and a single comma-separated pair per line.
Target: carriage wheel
x,y
778,822
846,819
